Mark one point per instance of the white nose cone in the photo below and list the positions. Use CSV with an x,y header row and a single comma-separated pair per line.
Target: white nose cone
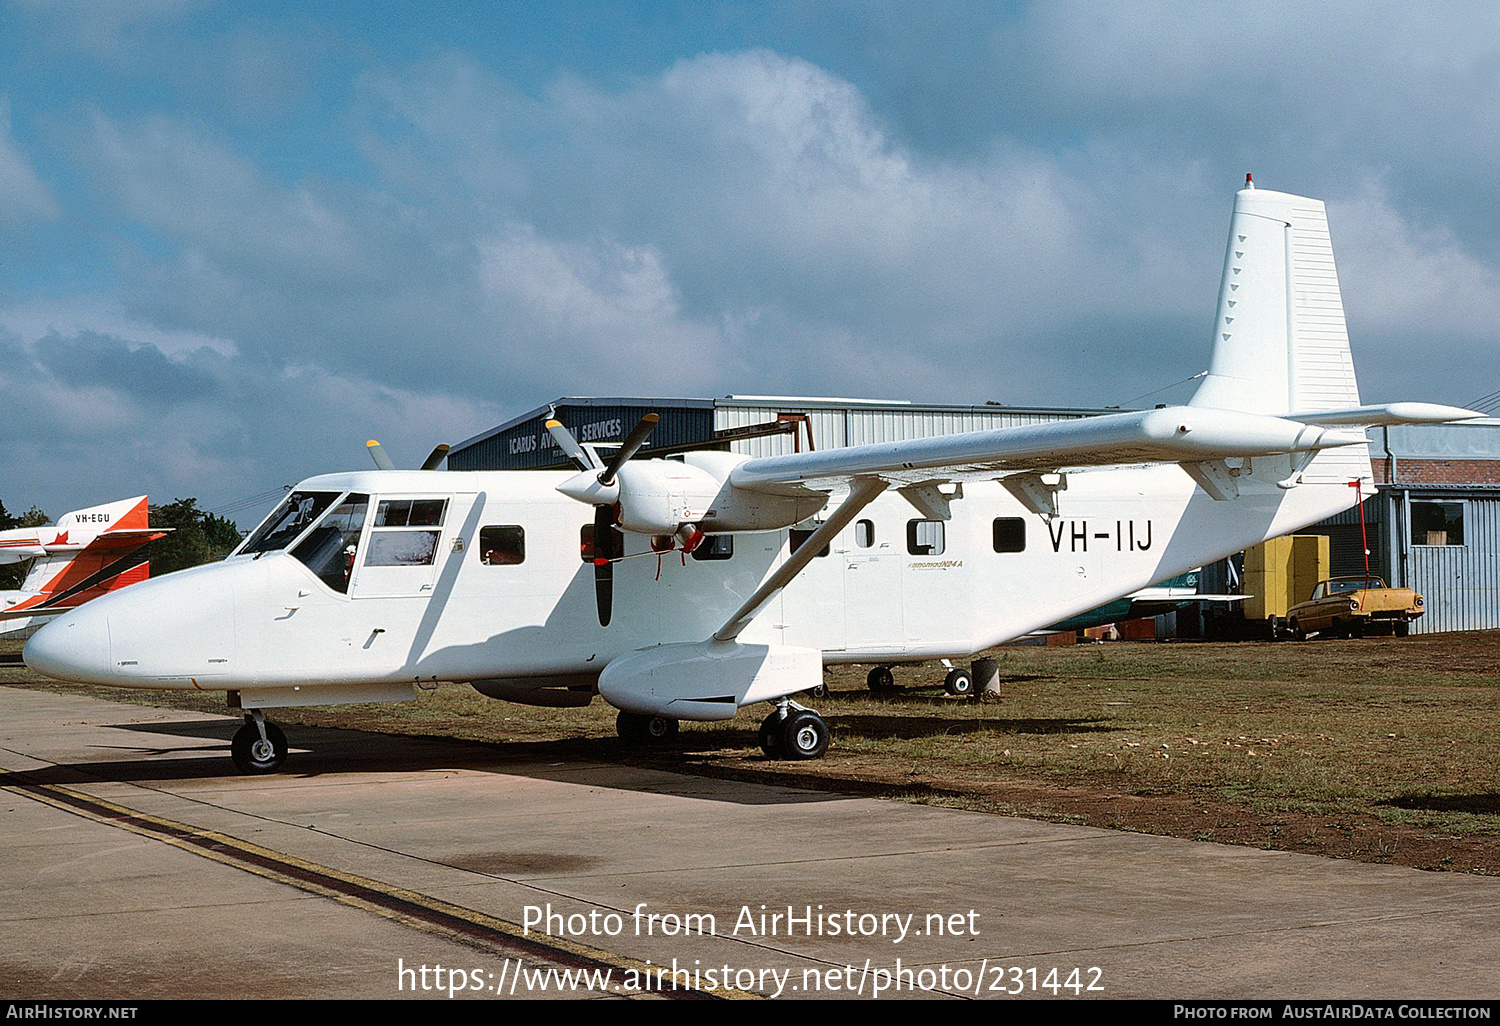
x,y
74,647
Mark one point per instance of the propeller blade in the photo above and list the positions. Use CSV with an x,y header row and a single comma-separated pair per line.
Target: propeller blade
x,y
377,454
435,457
633,443
606,547
584,458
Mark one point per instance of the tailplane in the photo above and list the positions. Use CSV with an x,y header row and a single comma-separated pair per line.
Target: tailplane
x,y
84,555
1280,343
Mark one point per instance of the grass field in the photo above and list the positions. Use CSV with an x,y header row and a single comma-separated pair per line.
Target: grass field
x,y
1378,749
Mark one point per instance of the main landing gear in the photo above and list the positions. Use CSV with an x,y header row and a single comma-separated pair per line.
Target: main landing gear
x,y
647,730
792,732
258,746
958,682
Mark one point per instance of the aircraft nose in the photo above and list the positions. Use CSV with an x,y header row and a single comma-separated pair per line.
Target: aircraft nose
x,y
74,647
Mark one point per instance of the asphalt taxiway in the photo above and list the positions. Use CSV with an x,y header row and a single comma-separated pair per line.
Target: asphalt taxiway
x,y
135,863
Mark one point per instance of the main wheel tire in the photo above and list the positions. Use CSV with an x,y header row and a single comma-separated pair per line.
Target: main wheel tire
x,y
1402,628
959,683
770,735
804,735
880,679
639,729
252,755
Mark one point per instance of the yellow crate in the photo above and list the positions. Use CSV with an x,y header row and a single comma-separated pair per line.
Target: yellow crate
x,y
1283,571
1310,564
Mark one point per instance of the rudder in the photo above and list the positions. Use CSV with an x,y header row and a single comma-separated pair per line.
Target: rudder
x,y
1280,341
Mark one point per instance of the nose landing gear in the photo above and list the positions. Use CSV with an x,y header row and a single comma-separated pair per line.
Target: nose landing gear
x,y
258,746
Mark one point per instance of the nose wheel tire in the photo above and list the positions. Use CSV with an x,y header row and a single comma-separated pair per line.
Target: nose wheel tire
x,y
251,754
639,729
880,679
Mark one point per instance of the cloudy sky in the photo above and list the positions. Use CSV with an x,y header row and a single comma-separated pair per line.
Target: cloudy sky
x,y
238,239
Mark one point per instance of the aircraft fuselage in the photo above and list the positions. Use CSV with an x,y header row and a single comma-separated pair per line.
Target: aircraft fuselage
x,y
497,590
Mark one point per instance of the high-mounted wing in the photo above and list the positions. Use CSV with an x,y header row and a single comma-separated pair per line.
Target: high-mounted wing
x,y
1182,434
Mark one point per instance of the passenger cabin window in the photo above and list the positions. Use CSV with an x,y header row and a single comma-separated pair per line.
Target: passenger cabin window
x,y
406,532
1010,534
799,539
864,533
329,549
502,545
295,514
924,537
715,546
1437,523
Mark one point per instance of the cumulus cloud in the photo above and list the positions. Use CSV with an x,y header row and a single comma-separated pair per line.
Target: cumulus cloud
x,y
764,196
91,416
1026,206
201,194
105,30
23,196
604,314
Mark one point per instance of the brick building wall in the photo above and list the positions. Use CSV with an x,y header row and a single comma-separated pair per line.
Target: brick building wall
x,y
1419,471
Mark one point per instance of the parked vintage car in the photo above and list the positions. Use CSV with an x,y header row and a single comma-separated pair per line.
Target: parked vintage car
x,y
1354,606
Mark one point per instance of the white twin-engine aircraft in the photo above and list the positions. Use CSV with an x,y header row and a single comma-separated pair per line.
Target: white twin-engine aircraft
x,y
714,581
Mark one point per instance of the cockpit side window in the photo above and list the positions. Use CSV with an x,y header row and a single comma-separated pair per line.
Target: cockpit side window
x,y
329,549
296,512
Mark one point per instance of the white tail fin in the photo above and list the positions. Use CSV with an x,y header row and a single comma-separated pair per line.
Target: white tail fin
x,y
1280,344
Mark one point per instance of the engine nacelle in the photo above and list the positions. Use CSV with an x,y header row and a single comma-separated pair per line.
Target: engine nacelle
x,y
658,496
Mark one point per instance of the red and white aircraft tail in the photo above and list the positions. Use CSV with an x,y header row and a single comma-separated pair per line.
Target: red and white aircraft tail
x,y
87,553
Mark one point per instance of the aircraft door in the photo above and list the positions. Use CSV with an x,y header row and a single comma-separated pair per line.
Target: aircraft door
x,y
872,586
403,548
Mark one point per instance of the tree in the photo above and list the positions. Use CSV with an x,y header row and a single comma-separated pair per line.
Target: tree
x,y
196,537
13,575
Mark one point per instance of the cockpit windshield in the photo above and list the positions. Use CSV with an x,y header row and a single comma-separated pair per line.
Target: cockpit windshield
x,y
295,514
329,549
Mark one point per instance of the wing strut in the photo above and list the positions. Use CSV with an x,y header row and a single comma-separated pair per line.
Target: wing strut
x,y
861,494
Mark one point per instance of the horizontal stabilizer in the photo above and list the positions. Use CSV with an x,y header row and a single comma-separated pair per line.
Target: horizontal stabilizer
x,y
132,539
1391,413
